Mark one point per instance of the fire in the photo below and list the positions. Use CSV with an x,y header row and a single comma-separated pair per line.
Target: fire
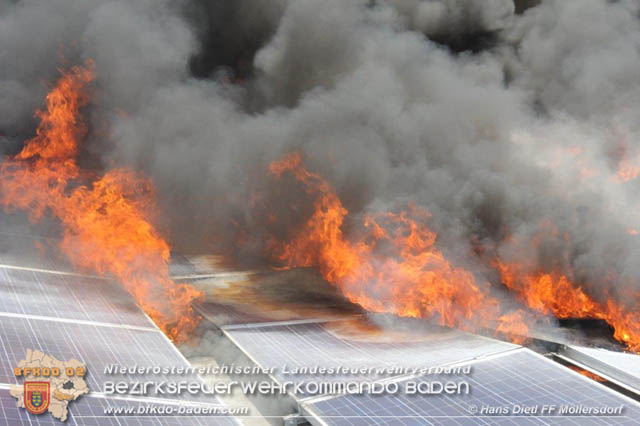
x,y
627,171
587,373
554,293
107,220
512,325
394,267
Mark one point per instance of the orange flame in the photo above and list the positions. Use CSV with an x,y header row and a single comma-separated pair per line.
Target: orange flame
x,y
554,293
394,268
587,373
512,325
107,227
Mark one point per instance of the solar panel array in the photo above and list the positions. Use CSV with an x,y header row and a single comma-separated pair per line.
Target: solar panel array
x,y
97,346
96,322
67,296
299,346
515,378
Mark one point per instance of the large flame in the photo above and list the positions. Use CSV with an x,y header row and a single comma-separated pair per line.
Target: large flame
x,y
106,221
554,293
393,267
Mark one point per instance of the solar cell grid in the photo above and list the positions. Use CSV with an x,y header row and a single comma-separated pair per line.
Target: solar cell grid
x,y
520,377
68,296
93,320
96,346
309,345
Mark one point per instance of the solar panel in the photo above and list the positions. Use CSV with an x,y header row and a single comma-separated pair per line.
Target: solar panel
x,y
227,314
299,346
257,296
32,251
620,366
44,306
89,410
230,313
518,377
68,296
20,249
96,346
184,266
180,265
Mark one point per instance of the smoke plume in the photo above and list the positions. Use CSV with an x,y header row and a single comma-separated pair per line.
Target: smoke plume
x,y
513,123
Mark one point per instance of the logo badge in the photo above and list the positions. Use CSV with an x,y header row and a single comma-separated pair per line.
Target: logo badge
x,y
36,397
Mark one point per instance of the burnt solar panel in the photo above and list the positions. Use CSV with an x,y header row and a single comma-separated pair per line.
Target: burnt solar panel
x,y
195,266
227,314
68,296
516,378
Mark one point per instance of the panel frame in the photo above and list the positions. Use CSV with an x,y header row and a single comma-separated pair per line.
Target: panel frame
x,y
108,296
602,368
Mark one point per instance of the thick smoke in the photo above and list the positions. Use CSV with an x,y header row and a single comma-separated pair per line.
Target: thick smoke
x,y
496,117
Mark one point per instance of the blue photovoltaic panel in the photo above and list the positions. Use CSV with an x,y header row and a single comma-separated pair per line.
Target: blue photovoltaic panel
x,y
96,346
88,411
314,344
90,319
517,378
68,296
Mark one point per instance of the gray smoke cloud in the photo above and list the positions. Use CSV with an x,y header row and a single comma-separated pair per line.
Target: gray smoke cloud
x,y
495,116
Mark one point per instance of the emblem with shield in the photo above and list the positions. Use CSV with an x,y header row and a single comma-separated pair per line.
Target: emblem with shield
x,y
36,397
